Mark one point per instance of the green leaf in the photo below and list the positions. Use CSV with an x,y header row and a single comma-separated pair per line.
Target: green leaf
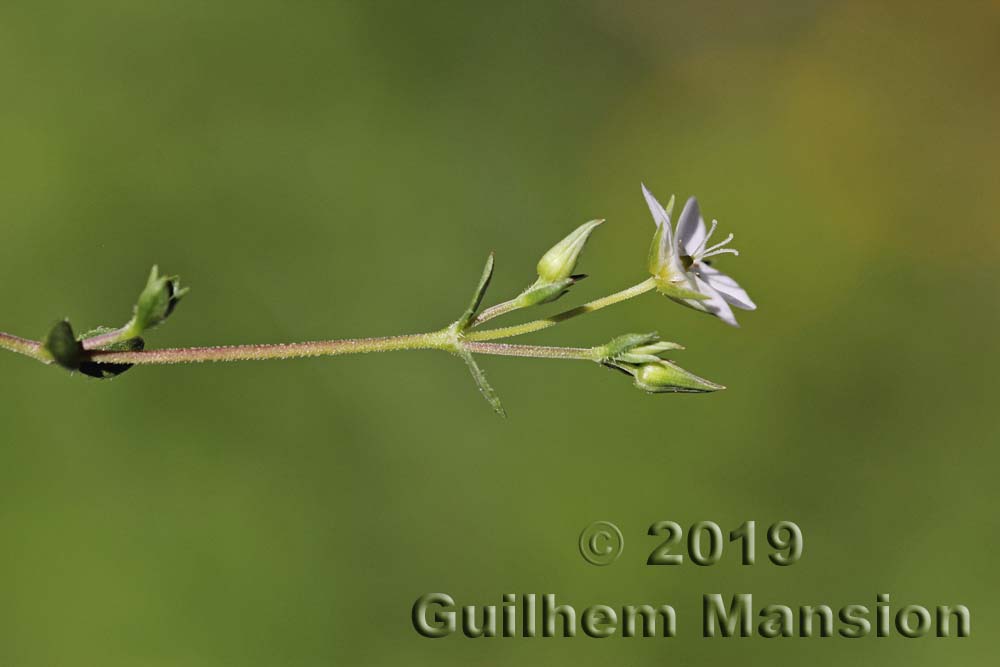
x,y
63,346
484,387
477,297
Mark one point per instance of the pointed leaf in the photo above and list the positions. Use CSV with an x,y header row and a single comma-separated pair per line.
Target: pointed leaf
x,y
477,297
484,387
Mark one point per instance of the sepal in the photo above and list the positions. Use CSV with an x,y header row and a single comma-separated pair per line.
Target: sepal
x,y
544,292
675,291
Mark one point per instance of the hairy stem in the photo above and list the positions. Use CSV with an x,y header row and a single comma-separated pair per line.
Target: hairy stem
x,y
538,325
440,340
30,348
533,351
327,348
496,311
450,339
110,338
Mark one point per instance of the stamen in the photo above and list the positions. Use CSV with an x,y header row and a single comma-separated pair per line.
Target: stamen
x,y
715,223
718,245
713,253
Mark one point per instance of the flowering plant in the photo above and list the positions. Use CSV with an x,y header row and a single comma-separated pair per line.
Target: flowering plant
x,y
678,263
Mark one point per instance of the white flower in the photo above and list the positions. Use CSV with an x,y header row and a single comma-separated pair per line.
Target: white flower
x,y
677,261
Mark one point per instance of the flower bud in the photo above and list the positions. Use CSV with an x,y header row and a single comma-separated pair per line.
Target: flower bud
x,y
157,300
559,263
616,347
664,376
636,349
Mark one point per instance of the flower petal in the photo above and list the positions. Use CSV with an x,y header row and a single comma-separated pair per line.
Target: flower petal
x,y
660,216
726,286
715,304
690,227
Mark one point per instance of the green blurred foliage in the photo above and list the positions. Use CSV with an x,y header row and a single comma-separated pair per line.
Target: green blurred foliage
x,y
321,170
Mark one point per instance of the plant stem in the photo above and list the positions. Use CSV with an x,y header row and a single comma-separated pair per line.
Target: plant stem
x,y
538,325
328,348
534,351
30,348
432,341
110,338
496,311
446,339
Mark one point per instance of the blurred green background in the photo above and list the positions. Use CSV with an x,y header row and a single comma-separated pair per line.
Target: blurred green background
x,y
320,170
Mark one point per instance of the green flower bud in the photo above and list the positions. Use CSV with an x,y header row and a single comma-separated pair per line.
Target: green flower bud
x,y
555,269
636,349
157,300
559,263
616,347
664,376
